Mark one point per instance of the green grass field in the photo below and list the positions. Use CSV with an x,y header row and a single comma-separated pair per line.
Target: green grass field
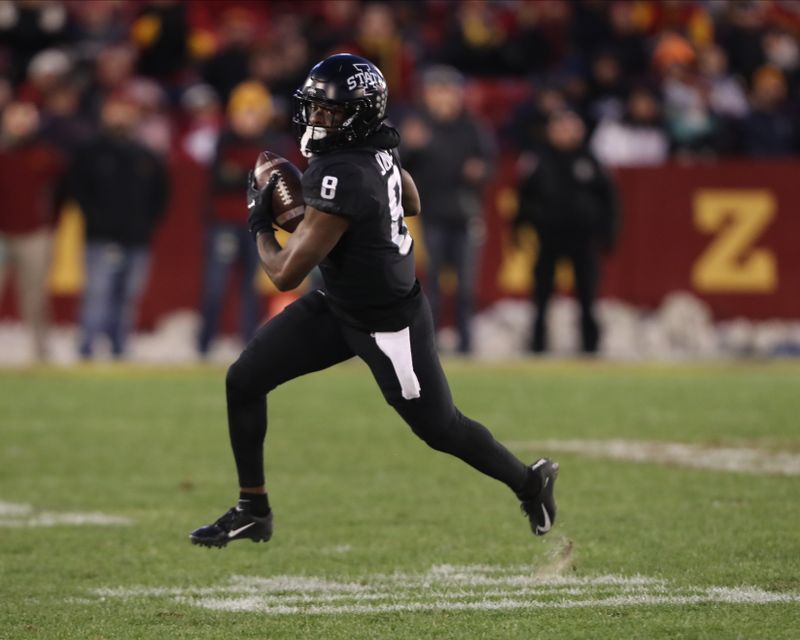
x,y
105,470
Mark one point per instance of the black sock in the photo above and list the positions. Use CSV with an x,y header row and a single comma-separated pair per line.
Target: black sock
x,y
255,503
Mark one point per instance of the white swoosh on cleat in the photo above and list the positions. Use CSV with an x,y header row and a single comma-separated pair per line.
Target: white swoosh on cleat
x,y
547,524
236,532
539,463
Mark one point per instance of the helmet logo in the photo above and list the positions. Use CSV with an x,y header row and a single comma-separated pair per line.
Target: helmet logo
x,y
363,77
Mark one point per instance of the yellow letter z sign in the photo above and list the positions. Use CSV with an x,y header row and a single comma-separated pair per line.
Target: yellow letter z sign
x,y
732,263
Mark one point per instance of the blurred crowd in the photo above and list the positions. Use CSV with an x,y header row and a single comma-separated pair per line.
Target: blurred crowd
x,y
670,76
98,97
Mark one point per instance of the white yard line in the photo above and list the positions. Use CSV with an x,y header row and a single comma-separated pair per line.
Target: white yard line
x,y
256,604
731,459
23,516
14,509
442,588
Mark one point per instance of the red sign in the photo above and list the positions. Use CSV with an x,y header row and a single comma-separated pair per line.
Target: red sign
x,y
727,232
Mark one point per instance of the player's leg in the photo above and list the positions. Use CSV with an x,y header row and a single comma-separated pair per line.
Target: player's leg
x,y
32,262
220,253
585,263
5,260
102,262
130,284
251,301
465,251
407,368
543,274
436,254
301,339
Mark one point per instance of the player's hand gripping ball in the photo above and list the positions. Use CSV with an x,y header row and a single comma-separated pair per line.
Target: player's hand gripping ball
x,y
286,206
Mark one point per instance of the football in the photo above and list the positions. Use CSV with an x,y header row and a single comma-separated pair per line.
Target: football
x,y
287,199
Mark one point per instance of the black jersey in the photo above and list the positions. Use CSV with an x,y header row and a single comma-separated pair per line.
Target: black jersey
x,y
369,275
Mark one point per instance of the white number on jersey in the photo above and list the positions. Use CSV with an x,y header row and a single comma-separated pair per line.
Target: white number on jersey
x,y
328,190
400,235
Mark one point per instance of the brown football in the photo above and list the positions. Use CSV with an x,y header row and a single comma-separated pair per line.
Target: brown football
x,y
287,199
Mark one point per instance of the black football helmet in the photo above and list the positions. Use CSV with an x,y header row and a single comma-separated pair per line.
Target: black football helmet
x,y
350,88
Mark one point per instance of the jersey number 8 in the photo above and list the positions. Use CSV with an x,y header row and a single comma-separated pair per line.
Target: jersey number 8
x,y
328,190
399,231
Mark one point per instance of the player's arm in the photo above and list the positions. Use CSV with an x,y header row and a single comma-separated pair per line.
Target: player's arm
x,y
411,202
308,246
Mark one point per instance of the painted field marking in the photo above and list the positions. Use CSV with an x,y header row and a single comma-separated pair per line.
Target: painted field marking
x,y
442,588
337,549
697,456
14,515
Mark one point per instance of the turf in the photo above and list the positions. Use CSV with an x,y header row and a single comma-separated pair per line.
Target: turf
x,y
359,500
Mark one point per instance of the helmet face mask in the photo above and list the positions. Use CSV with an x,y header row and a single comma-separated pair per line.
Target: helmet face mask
x,y
341,103
319,114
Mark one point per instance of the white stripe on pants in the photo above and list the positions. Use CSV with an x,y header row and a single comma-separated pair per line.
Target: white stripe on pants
x,y
396,345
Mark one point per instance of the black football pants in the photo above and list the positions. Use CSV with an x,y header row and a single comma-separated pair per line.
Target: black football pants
x,y
307,337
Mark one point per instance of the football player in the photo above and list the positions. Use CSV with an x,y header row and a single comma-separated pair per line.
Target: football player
x,y
372,306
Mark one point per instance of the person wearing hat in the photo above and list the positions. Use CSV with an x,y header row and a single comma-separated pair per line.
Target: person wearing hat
x,y
450,153
572,203
228,243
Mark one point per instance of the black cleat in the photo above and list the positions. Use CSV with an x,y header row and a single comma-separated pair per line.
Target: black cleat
x,y
236,524
540,507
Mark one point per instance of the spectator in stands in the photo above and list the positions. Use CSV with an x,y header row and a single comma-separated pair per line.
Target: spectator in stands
x,y
590,27
281,63
228,241
161,33
47,70
6,92
229,66
691,124
572,204
476,39
113,70
782,50
607,89
726,95
30,177
449,154
740,32
96,25
63,124
771,129
528,49
154,128
204,118
528,131
638,139
121,187
628,38
340,20
379,40
27,28
295,59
